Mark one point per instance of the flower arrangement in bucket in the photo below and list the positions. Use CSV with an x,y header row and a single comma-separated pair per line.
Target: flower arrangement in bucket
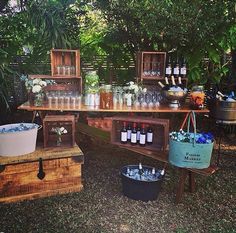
x,y
59,132
36,87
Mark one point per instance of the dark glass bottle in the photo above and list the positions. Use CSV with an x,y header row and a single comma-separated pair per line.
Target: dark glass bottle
x,y
142,140
173,82
129,130
138,133
123,134
149,136
167,85
140,170
183,69
134,135
168,68
176,69
180,84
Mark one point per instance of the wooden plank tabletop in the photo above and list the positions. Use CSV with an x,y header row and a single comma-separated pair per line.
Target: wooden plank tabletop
x,y
123,108
44,153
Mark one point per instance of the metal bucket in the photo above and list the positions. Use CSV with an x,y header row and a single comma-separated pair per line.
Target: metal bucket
x,y
19,142
223,110
140,189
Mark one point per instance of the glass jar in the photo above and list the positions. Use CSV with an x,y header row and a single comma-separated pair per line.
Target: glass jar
x,y
197,97
106,97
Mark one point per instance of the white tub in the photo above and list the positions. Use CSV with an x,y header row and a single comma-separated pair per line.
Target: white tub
x,y
20,142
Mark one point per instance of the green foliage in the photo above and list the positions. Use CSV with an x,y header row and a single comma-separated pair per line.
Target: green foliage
x,y
194,30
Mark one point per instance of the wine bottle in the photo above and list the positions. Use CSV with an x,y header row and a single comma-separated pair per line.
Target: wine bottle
x,y
138,133
140,170
129,132
167,86
134,135
153,171
176,69
180,84
123,134
162,173
168,68
161,84
149,135
183,69
173,82
142,140
223,97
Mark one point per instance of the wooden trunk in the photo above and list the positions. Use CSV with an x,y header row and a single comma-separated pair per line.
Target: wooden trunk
x,y
42,173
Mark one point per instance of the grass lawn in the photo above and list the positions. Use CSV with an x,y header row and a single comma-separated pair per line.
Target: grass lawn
x,y
101,206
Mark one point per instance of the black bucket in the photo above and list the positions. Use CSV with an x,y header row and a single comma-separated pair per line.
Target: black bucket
x,y
140,189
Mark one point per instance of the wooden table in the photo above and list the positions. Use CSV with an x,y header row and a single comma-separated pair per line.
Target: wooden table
x,y
123,108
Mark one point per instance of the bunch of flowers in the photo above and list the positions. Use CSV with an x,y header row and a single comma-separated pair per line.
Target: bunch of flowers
x,y
35,85
182,136
59,131
134,88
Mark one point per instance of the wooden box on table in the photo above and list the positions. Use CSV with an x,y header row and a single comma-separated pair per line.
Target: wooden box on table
x,y
150,65
160,129
65,63
51,122
42,173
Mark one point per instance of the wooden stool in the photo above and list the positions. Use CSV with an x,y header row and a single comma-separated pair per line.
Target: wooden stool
x,y
54,121
190,172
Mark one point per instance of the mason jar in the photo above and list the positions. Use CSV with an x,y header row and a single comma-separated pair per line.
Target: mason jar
x,y
106,97
197,97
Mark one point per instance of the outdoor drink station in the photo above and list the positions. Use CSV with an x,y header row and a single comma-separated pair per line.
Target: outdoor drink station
x,y
66,91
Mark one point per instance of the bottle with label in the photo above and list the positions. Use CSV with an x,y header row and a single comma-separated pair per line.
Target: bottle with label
x,y
129,129
142,140
149,135
176,69
138,133
183,69
134,135
168,68
123,134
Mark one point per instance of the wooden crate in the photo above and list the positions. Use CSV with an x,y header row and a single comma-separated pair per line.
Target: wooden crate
x,y
62,60
104,123
42,173
62,83
52,121
160,129
150,65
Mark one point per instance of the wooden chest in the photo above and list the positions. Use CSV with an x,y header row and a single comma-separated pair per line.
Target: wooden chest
x,y
45,172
